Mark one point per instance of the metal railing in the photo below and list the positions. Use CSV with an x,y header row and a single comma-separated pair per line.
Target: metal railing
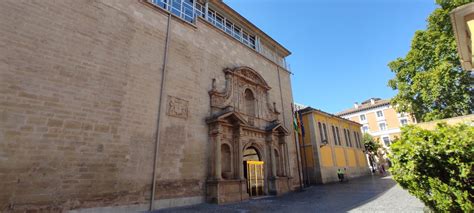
x,y
189,10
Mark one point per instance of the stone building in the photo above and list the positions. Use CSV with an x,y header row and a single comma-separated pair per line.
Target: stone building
x,y
330,143
108,105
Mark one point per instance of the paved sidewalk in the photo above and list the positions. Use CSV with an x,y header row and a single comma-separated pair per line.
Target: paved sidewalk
x,y
366,194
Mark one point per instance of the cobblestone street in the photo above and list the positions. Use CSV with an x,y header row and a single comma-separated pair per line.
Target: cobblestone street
x,y
367,194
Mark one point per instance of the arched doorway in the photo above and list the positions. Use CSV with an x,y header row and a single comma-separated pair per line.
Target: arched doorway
x,y
253,171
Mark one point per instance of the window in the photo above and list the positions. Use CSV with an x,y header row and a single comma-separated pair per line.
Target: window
x,y
382,126
362,118
386,141
403,122
365,129
338,138
334,135
356,140
345,137
360,141
349,136
325,133
189,10
379,114
219,21
229,27
321,133
237,32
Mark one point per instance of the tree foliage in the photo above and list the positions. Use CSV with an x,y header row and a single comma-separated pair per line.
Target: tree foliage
x,y
430,81
437,166
370,144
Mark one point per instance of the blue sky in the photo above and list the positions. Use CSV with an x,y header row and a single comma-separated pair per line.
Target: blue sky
x,y
340,48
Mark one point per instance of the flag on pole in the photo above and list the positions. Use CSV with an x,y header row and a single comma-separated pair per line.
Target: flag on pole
x,y
301,124
295,120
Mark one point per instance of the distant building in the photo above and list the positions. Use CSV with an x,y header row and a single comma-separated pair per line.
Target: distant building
x,y
378,118
330,143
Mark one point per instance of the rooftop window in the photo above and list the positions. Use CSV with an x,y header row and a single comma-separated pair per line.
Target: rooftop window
x,y
189,10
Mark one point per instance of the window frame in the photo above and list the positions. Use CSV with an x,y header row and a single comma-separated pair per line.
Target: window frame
x,y
403,119
389,141
377,113
384,124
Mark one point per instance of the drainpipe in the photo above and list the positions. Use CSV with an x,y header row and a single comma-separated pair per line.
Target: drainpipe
x,y
160,100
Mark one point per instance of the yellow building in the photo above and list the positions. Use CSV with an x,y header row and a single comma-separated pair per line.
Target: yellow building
x,y
330,143
379,119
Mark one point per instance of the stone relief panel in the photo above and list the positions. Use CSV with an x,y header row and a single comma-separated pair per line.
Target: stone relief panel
x,y
177,107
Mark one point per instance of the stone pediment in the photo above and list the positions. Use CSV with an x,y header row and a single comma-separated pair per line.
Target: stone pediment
x,y
247,92
249,75
228,115
278,127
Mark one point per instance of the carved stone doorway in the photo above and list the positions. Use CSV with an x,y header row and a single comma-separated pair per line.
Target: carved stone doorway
x,y
244,127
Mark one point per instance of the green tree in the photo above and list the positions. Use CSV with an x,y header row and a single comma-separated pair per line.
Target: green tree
x,y
437,166
430,82
371,147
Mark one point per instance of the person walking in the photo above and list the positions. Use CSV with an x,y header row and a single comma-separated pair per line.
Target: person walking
x,y
340,175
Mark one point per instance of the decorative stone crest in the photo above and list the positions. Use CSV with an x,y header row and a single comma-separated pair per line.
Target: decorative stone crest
x,y
177,107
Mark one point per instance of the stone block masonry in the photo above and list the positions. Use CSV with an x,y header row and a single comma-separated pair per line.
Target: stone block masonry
x,y
79,89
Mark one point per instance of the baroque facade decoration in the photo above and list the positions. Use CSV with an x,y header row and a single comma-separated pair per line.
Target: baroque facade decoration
x,y
244,121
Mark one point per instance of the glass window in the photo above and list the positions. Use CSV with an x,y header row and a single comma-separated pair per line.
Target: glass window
x,y
219,21
356,140
382,126
334,135
162,3
362,117
176,7
237,32
325,133
338,137
228,26
345,137
379,113
349,137
360,141
252,42
386,141
211,16
365,129
321,133
245,38
403,121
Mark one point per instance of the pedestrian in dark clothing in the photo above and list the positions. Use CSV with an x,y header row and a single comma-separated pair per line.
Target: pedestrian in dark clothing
x,y
340,175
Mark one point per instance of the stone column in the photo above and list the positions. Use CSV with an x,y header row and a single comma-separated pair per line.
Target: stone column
x,y
217,160
282,159
272,154
240,154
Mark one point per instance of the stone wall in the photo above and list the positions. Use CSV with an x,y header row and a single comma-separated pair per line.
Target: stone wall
x,y
79,91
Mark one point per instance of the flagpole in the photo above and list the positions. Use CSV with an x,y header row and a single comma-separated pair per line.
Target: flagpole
x,y
297,148
305,169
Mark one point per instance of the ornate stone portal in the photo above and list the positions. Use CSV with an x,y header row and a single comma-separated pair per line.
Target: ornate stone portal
x,y
243,118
